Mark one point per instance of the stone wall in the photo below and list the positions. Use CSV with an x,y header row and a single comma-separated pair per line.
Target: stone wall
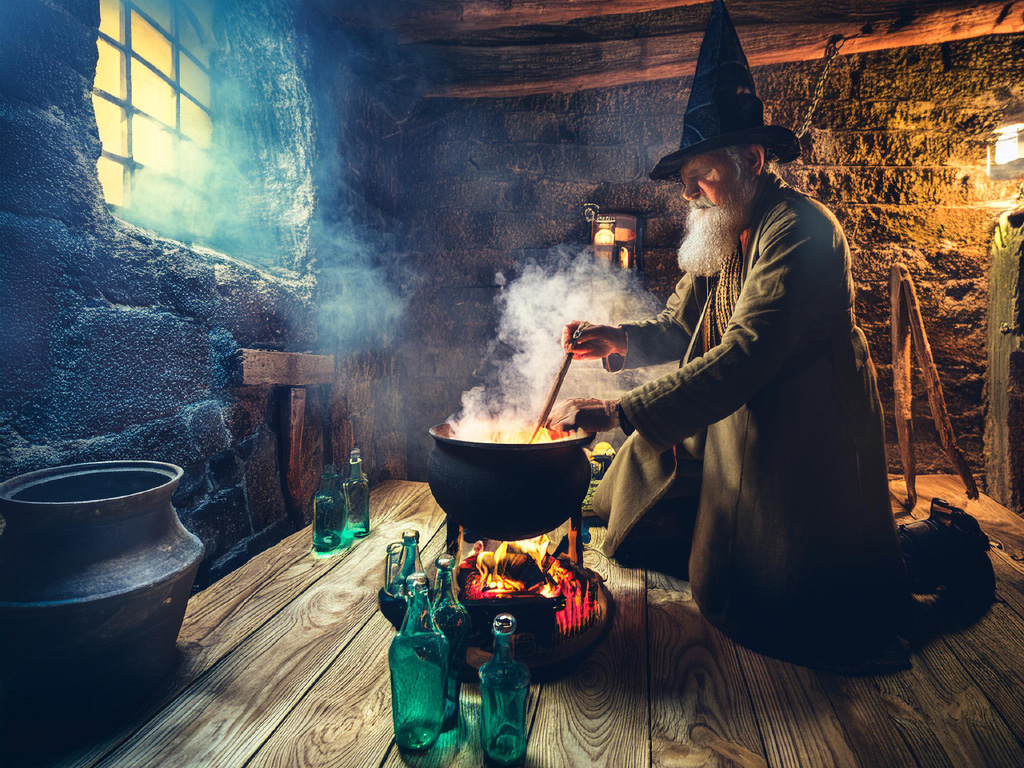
x,y
897,151
118,342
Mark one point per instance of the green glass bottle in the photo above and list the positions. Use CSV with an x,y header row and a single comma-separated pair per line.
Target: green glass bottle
x,y
418,661
394,609
357,493
504,683
328,514
452,618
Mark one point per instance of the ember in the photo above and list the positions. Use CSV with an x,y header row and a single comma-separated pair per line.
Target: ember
x,y
518,568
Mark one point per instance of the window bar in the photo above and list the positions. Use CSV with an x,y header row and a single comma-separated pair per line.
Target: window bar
x,y
126,32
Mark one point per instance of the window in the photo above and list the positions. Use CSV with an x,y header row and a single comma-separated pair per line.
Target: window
x,y
152,91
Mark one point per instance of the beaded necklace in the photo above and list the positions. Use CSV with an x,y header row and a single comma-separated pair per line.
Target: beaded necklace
x,y
723,302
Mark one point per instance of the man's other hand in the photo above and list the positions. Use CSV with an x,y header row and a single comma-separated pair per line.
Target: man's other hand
x,y
586,413
594,342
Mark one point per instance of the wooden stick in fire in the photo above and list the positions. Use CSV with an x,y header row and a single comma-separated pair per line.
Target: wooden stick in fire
x,y
549,404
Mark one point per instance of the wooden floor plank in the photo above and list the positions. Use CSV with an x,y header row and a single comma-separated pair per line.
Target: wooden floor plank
x,y
1009,580
937,707
324,728
990,651
700,709
598,714
795,717
256,685
220,617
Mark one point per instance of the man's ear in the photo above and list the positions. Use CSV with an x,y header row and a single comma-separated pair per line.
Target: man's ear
x,y
754,156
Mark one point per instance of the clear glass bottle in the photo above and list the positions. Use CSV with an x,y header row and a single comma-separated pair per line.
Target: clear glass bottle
x,y
452,618
410,564
418,661
328,514
357,493
504,684
392,595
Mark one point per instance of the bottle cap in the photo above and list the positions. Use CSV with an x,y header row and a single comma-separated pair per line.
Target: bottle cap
x,y
445,562
354,454
504,623
417,581
411,534
330,469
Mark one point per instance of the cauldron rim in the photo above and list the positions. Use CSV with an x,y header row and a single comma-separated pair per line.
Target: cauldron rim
x,y
437,431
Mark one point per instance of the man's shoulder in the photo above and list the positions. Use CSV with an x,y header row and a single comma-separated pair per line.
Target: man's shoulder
x,y
787,208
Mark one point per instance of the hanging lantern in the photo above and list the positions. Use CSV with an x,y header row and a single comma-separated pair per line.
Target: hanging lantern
x,y
615,237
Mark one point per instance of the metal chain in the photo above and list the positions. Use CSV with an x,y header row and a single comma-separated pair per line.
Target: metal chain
x,y
831,49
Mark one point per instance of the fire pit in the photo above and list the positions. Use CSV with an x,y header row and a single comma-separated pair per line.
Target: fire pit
x,y
513,494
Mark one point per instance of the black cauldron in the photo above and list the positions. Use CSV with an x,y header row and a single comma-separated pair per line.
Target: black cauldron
x,y
508,491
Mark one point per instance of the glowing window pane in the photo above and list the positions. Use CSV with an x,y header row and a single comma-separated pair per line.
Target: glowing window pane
x,y
195,81
110,119
110,19
1006,144
195,122
159,10
151,45
110,70
151,94
152,145
193,35
111,175
202,11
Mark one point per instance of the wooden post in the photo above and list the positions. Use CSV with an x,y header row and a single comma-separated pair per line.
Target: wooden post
x,y
293,417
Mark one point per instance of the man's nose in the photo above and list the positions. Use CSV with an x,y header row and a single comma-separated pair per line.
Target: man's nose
x,y
691,192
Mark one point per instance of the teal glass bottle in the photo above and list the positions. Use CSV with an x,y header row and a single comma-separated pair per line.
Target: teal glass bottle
x,y
357,493
328,514
504,683
452,618
418,661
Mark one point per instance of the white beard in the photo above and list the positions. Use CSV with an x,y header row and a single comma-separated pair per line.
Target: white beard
x,y
713,231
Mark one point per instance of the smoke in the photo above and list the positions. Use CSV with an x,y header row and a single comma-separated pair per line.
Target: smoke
x,y
526,353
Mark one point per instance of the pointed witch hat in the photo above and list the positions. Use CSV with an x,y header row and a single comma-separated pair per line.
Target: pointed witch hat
x,y
723,109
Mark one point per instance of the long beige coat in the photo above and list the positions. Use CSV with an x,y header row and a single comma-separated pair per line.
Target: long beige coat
x,y
795,541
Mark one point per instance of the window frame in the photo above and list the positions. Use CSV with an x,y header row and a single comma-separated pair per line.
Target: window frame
x,y
128,162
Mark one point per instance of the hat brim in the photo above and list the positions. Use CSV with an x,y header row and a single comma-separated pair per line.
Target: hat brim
x,y
782,141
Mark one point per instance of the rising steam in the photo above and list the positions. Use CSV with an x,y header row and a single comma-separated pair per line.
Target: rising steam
x,y
567,285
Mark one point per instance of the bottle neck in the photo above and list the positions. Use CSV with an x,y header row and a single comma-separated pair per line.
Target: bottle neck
x,y
503,648
409,563
329,483
418,618
355,469
445,587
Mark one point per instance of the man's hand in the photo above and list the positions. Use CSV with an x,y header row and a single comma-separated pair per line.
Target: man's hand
x,y
594,341
586,413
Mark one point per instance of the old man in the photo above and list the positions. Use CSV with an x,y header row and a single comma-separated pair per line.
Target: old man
x,y
765,448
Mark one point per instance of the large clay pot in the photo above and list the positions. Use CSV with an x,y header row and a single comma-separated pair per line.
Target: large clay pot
x,y
508,491
95,573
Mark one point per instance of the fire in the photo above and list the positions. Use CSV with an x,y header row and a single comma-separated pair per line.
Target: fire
x,y
487,431
525,568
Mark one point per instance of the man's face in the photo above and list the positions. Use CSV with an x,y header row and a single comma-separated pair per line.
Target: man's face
x,y
711,176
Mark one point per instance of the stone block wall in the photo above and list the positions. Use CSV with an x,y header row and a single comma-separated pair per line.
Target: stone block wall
x,y
118,342
897,150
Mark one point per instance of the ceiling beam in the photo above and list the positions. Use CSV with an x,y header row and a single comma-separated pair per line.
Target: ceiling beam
x,y
522,70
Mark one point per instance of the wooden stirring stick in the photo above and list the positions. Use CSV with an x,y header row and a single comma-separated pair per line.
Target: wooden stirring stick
x,y
549,404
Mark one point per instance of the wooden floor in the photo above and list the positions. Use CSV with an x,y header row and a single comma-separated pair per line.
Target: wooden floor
x,y
284,664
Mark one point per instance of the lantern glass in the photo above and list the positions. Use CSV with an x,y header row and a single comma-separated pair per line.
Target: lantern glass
x,y
605,232
1008,144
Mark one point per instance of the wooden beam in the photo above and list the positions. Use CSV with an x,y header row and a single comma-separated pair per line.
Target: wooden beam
x,y
522,70
287,369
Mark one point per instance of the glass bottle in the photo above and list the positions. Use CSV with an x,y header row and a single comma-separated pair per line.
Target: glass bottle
x,y
410,564
418,661
328,514
392,595
452,618
357,493
504,683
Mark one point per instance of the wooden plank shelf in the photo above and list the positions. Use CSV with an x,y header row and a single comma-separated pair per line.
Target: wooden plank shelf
x,y
284,663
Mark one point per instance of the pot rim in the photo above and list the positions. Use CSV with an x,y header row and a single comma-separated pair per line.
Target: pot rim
x,y
11,487
436,430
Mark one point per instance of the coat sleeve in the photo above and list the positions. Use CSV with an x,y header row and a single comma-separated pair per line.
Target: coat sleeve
x,y
662,338
800,267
